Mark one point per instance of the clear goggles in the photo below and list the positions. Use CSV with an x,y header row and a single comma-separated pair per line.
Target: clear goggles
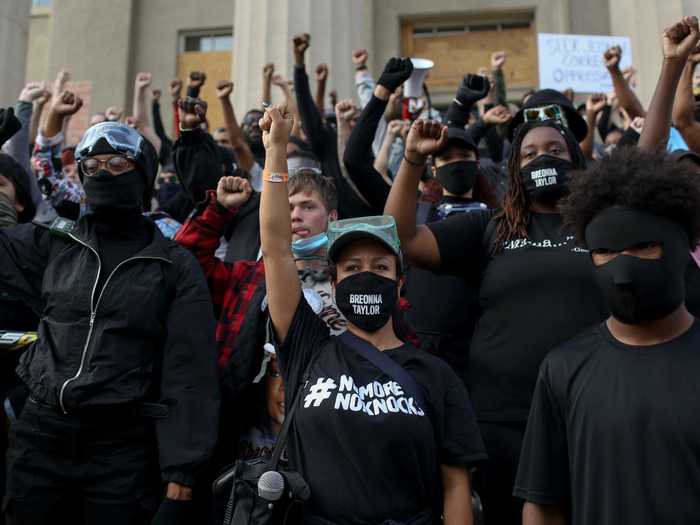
x,y
544,113
383,227
120,137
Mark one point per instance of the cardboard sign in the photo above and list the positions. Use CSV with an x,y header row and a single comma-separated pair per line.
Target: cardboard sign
x,y
576,61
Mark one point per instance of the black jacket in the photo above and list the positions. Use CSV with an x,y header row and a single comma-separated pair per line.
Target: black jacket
x,y
148,336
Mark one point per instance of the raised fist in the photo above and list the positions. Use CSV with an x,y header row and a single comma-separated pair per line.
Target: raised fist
x,y
276,126
268,71
224,88
498,59
175,88
497,115
359,57
192,112
301,44
612,56
472,89
680,39
233,192
333,96
321,73
396,72
156,93
32,91
280,81
197,79
143,80
67,103
345,110
114,113
426,137
596,103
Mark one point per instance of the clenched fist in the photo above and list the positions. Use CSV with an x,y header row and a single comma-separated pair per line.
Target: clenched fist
x,y
233,192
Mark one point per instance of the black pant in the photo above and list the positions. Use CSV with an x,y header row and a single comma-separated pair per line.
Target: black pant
x,y
495,479
98,469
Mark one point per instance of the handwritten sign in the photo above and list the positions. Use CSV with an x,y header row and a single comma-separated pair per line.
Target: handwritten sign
x,y
576,61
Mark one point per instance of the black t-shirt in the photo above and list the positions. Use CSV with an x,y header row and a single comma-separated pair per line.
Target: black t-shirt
x,y
614,432
444,308
367,450
535,294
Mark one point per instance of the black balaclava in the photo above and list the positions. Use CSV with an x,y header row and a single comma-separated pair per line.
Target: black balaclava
x,y
367,299
18,176
119,199
639,290
458,177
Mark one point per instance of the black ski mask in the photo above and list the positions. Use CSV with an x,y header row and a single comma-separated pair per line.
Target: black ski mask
x,y
458,177
106,192
639,290
546,178
367,299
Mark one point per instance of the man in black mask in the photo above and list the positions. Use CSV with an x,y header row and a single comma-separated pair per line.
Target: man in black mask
x,y
612,435
123,399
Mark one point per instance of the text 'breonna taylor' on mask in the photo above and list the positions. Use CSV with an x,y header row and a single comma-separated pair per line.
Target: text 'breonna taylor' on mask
x,y
366,304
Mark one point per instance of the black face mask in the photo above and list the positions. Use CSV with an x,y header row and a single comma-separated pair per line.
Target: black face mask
x,y
639,290
123,192
546,178
458,177
167,191
367,300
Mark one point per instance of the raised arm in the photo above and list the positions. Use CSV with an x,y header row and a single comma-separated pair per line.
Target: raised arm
x,y
345,112
268,71
321,79
311,120
594,105
37,113
498,60
358,151
140,111
195,83
418,242
381,163
238,141
175,96
283,287
684,105
471,89
626,97
678,42
291,103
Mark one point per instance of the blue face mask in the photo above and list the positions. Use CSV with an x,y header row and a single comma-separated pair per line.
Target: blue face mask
x,y
310,245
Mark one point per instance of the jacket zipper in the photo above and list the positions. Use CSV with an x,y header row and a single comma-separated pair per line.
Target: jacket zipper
x,y
93,311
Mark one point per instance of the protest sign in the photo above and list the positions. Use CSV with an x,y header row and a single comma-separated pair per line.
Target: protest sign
x,y
576,61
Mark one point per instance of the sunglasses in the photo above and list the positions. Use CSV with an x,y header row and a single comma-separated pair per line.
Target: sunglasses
x,y
545,113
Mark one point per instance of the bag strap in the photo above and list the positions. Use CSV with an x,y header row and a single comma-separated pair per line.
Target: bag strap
x,y
387,365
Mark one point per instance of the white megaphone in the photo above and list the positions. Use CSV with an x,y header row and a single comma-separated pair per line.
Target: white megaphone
x,y
413,88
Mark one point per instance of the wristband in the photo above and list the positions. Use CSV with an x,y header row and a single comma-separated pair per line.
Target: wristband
x,y
275,176
416,164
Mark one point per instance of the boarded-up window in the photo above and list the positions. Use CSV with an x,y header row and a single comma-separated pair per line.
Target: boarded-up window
x,y
460,47
210,53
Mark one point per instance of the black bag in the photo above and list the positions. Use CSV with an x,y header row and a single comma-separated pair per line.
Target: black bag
x,y
245,506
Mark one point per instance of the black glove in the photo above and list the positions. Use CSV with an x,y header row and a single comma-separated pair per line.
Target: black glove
x,y
472,89
9,125
173,512
396,72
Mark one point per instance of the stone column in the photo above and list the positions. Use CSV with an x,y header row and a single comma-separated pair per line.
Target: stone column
x,y
643,21
14,31
263,32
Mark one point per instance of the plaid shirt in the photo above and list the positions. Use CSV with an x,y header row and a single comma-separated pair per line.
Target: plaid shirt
x,y
231,285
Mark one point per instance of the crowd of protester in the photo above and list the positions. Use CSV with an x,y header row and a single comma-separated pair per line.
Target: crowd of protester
x,y
479,315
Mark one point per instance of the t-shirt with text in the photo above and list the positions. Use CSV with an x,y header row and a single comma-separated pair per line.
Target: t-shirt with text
x,y
368,450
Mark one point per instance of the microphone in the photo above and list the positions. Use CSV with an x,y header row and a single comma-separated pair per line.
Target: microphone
x,y
271,485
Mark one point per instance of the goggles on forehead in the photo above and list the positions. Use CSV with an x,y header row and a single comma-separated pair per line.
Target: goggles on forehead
x,y
296,170
121,138
545,113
